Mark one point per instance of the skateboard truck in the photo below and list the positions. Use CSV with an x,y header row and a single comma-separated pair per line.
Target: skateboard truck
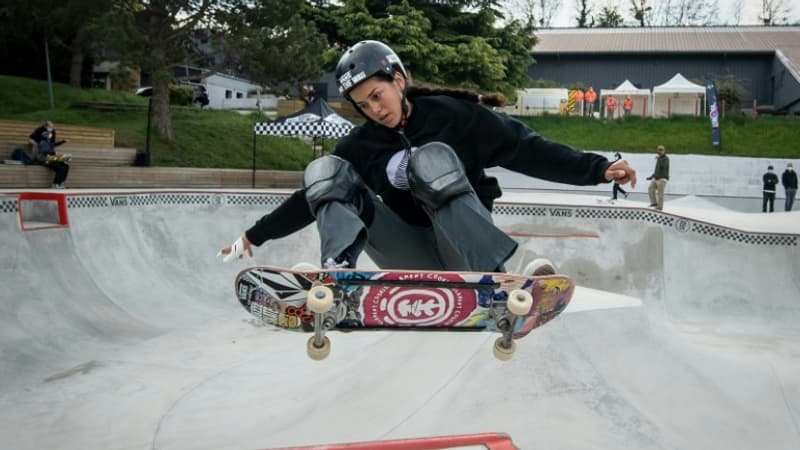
x,y
319,301
519,304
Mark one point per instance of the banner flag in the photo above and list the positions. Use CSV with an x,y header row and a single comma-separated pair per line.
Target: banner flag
x,y
713,114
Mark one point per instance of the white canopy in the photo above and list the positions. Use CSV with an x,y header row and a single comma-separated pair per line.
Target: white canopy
x,y
679,84
678,96
640,97
624,89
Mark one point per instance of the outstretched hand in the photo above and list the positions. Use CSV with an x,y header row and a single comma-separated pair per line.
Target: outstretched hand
x,y
237,249
621,173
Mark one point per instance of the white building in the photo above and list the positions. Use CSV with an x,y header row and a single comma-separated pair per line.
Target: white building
x,y
228,92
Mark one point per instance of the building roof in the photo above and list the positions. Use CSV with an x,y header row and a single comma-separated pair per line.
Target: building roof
x,y
784,40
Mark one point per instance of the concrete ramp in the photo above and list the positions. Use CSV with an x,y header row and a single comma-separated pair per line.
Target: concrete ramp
x,y
121,331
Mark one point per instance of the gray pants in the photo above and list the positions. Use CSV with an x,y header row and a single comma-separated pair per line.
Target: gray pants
x,y
462,235
656,192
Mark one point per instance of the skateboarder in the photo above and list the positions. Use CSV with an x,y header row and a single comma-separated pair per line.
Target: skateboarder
x,y
409,186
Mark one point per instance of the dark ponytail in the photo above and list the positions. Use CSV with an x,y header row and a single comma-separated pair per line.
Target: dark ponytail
x,y
493,99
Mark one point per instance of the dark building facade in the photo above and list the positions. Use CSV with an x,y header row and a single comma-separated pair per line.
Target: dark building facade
x,y
762,60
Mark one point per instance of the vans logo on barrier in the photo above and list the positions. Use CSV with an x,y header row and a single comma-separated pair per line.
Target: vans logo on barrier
x,y
560,212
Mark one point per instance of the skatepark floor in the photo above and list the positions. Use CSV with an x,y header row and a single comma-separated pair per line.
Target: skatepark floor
x,y
122,331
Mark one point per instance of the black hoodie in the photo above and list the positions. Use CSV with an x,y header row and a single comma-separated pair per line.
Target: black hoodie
x,y
480,137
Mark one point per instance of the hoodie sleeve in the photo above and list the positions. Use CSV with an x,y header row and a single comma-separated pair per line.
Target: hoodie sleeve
x,y
514,146
291,216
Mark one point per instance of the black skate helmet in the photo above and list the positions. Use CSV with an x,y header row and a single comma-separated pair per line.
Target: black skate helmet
x,y
363,60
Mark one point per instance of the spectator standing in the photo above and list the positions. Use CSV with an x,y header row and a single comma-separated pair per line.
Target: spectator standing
x,y
659,178
611,105
770,181
627,105
44,144
590,97
617,188
789,180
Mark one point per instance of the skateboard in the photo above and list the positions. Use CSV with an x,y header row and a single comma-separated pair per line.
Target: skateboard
x,y
59,157
316,301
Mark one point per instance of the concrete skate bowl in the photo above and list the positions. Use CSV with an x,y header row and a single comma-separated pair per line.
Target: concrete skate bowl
x,y
121,330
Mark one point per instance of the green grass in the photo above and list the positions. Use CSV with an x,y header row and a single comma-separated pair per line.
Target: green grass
x,y
774,137
224,139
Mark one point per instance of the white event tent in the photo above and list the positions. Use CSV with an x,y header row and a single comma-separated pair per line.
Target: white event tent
x,y
678,96
640,97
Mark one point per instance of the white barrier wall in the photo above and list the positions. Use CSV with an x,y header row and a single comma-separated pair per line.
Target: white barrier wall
x,y
700,175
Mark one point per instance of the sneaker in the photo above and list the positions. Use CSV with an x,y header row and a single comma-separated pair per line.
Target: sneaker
x,y
539,267
57,186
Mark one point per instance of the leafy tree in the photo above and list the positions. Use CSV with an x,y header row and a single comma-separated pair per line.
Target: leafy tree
x,y
407,31
774,12
584,18
154,35
609,17
641,11
270,42
265,38
26,24
538,12
441,42
514,43
73,21
692,13
729,91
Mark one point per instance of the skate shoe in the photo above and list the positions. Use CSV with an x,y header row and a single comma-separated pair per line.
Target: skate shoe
x,y
539,267
342,262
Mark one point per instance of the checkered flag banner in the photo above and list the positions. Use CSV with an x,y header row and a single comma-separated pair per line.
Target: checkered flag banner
x,y
316,120
319,128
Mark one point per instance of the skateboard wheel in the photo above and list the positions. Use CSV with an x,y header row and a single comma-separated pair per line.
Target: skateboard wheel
x,y
304,267
318,353
501,352
320,299
519,302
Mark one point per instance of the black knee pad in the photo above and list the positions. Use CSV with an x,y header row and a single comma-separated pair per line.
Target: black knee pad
x,y
331,178
436,175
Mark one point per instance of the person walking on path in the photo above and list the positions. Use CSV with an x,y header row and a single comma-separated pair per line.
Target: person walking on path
x,y
659,178
789,181
617,188
770,182
409,186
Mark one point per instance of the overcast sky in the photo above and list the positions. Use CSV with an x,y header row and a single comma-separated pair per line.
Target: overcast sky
x,y
727,11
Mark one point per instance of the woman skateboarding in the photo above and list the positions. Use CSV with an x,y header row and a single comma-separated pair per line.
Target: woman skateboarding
x,y
409,186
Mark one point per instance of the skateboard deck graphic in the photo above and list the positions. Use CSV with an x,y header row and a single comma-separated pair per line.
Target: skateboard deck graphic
x,y
402,299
